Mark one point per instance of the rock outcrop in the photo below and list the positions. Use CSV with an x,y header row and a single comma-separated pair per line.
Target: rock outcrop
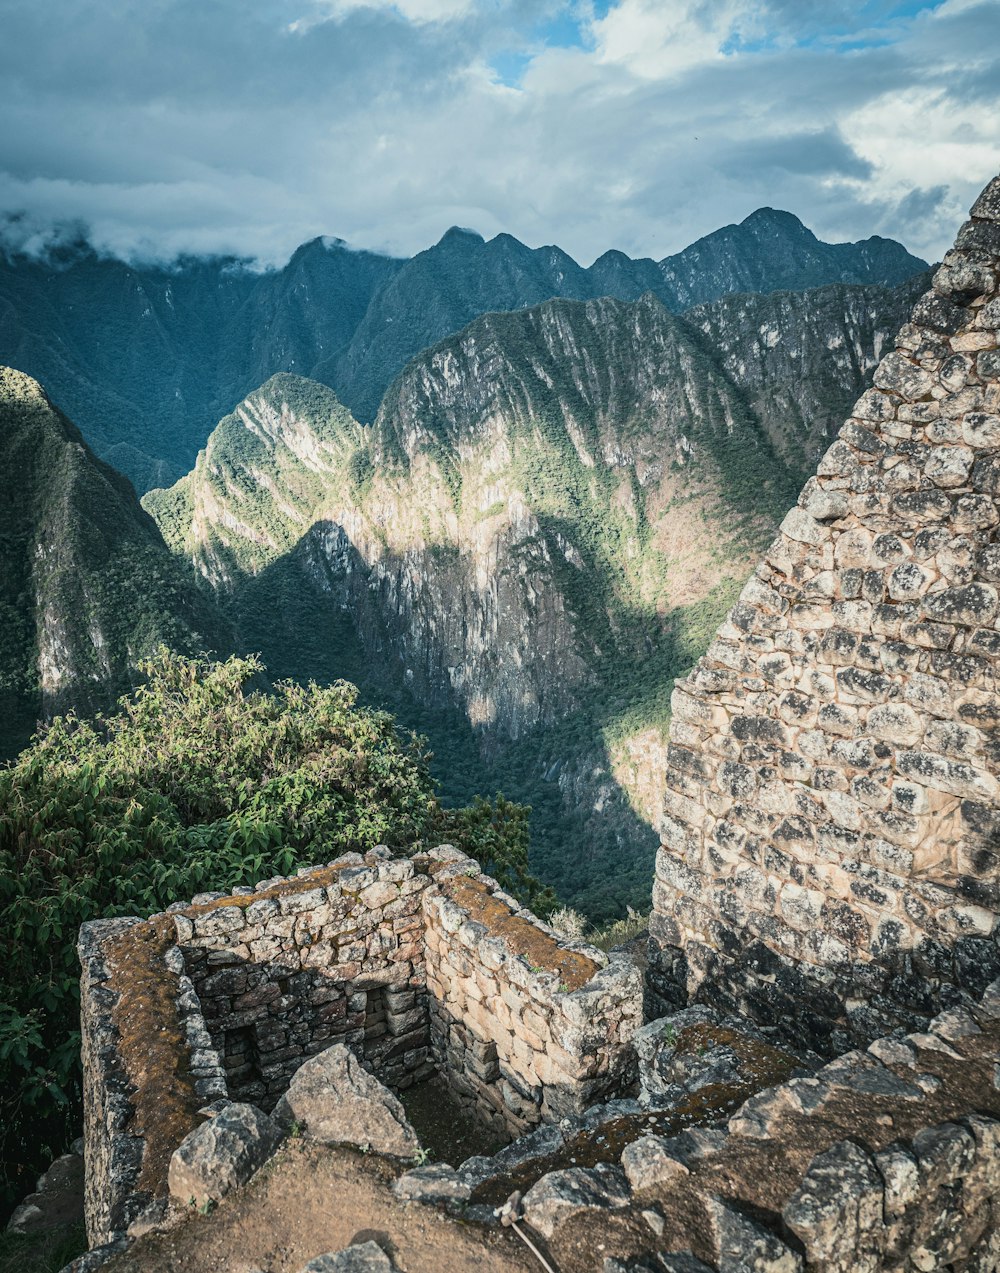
x,y
334,1100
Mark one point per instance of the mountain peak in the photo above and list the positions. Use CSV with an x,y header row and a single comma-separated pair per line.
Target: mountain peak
x,y
459,232
776,218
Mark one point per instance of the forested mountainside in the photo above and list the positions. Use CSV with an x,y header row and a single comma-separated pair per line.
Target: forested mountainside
x,y
538,532
147,359
87,585
773,251
804,358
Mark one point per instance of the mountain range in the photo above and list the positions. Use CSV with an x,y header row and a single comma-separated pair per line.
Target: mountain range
x,y
519,512
146,359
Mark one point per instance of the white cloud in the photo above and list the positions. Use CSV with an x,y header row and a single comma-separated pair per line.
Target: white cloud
x,y
413,10
656,38
224,130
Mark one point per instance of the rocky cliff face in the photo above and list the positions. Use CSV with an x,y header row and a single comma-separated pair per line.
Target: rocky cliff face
x,y
87,586
147,358
528,533
529,501
803,358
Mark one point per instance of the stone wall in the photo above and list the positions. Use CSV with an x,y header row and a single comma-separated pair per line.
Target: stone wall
x,y
831,855
148,1064
291,967
527,1027
352,952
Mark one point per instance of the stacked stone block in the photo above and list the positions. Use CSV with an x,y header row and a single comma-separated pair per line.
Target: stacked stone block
x,y
286,970
831,838
518,1042
885,1161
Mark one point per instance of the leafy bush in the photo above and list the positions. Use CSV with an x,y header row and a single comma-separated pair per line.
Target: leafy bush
x,y
199,782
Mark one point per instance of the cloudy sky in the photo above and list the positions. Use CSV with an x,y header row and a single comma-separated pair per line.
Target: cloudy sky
x,y
251,125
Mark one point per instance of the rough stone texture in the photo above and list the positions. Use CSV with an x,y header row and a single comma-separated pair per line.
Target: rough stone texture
x,y
113,1157
363,1257
289,968
57,1201
434,1183
851,1170
221,1154
528,1027
564,1195
118,1182
829,854
333,1099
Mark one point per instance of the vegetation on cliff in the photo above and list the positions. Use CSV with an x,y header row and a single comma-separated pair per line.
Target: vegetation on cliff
x,y
517,558
87,585
199,782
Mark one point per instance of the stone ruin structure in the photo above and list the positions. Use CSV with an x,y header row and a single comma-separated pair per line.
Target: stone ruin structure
x,y
828,887
419,964
831,832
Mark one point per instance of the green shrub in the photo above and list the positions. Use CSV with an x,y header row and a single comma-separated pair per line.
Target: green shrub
x,y
199,782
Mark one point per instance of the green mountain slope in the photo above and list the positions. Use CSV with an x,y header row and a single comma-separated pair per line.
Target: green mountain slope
x,y
147,358
531,539
87,586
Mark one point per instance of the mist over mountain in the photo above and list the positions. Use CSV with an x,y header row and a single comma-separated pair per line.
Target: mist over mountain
x,y
146,359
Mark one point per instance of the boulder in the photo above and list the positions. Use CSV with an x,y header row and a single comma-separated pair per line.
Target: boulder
x,y
649,1164
57,1202
221,1154
364,1257
561,1195
334,1100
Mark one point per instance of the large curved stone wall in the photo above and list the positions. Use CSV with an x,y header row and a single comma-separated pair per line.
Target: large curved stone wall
x,y
831,854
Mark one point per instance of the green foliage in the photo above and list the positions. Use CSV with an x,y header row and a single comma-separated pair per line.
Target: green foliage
x,y
198,782
44,1253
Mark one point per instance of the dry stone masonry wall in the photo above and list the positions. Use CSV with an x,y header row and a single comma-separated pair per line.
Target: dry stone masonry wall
x,y
286,970
831,838
528,1028
228,996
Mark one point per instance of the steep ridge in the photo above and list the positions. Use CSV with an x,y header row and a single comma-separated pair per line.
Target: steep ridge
x,y
147,358
87,586
444,288
532,535
804,358
772,251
